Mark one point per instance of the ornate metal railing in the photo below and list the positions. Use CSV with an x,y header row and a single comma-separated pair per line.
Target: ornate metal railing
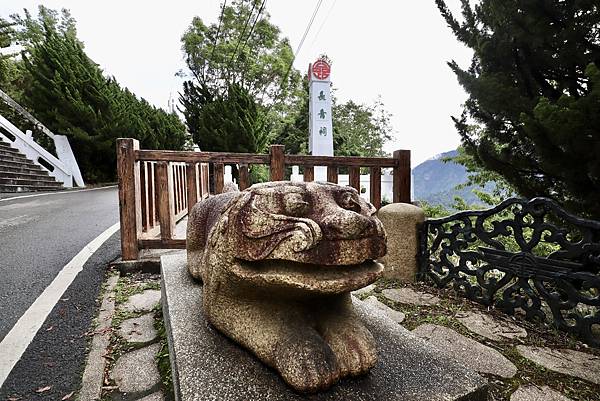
x,y
520,256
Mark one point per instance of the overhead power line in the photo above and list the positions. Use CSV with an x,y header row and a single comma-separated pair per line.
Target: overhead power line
x,y
243,33
287,73
216,39
260,10
324,21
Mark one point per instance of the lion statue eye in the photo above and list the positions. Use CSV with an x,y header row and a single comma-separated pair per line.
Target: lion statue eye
x,y
348,201
295,205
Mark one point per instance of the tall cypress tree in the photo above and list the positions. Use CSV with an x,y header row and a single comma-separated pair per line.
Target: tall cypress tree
x,y
533,112
69,93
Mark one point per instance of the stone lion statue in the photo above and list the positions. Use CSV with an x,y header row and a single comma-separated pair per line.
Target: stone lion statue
x,y
278,261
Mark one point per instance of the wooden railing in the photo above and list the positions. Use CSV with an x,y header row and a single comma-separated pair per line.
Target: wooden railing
x,y
158,187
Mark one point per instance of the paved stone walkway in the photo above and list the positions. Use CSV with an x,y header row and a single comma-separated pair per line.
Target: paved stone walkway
x,y
496,345
507,352
135,372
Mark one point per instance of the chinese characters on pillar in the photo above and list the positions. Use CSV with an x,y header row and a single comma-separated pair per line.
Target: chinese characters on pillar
x,y
320,142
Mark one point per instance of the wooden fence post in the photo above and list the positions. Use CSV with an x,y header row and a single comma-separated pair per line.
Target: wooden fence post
x,y
376,187
332,174
219,178
244,176
166,207
277,165
130,205
354,177
402,176
192,185
309,173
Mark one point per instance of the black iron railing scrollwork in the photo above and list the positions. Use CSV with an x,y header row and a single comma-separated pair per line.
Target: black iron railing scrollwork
x,y
527,256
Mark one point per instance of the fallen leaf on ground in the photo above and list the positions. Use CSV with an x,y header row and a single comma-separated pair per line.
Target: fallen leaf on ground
x,y
42,389
66,397
14,398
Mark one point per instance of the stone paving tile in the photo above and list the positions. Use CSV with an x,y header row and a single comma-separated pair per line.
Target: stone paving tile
x,y
153,397
138,330
472,354
409,296
565,361
535,393
136,371
142,302
488,327
364,290
395,315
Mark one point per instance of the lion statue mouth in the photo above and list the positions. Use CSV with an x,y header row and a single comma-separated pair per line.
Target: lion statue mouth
x,y
325,279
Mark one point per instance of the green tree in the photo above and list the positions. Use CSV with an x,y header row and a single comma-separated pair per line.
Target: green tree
x,y
358,129
69,93
533,112
243,48
233,122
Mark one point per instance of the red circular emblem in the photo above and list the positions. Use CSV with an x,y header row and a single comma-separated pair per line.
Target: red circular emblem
x,y
321,69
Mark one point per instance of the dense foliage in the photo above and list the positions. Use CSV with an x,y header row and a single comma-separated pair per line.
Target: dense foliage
x,y
232,122
358,129
533,112
69,94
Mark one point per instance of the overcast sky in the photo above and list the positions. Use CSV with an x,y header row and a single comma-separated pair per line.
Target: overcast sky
x,y
395,49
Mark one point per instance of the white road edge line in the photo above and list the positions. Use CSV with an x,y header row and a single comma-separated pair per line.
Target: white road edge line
x,y
57,193
20,336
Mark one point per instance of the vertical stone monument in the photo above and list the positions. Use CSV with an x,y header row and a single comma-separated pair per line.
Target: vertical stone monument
x,y
320,140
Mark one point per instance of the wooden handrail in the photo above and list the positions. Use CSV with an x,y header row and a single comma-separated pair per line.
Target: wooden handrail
x,y
159,187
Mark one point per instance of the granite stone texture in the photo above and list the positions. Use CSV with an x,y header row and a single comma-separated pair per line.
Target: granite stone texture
x,y
279,260
138,330
565,361
535,393
158,396
142,302
207,365
401,222
488,327
468,352
136,371
395,315
409,296
364,290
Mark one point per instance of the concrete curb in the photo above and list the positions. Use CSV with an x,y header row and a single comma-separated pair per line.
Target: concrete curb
x,y
93,375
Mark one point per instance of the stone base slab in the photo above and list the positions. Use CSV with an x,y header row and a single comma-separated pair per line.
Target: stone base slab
x,y
208,366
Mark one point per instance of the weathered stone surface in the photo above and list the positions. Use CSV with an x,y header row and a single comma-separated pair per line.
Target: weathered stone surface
x,y
401,222
535,393
565,361
488,327
469,352
142,302
364,290
281,258
153,397
207,366
395,315
138,330
136,371
409,296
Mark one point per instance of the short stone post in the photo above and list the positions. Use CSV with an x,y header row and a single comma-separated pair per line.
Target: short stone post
x,y
401,222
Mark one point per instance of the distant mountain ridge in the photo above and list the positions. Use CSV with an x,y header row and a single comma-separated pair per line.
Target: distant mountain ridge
x,y
435,181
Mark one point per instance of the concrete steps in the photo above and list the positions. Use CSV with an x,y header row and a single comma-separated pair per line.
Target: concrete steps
x,y
19,174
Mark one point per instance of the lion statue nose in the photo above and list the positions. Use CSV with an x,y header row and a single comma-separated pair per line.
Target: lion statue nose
x,y
346,224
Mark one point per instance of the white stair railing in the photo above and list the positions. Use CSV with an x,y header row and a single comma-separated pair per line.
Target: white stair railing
x,y
64,168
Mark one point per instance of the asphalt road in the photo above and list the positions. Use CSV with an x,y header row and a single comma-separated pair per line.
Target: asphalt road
x,y
38,237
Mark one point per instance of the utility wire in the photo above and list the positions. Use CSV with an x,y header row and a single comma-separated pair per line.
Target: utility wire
x,y
210,58
260,10
287,73
243,33
324,21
